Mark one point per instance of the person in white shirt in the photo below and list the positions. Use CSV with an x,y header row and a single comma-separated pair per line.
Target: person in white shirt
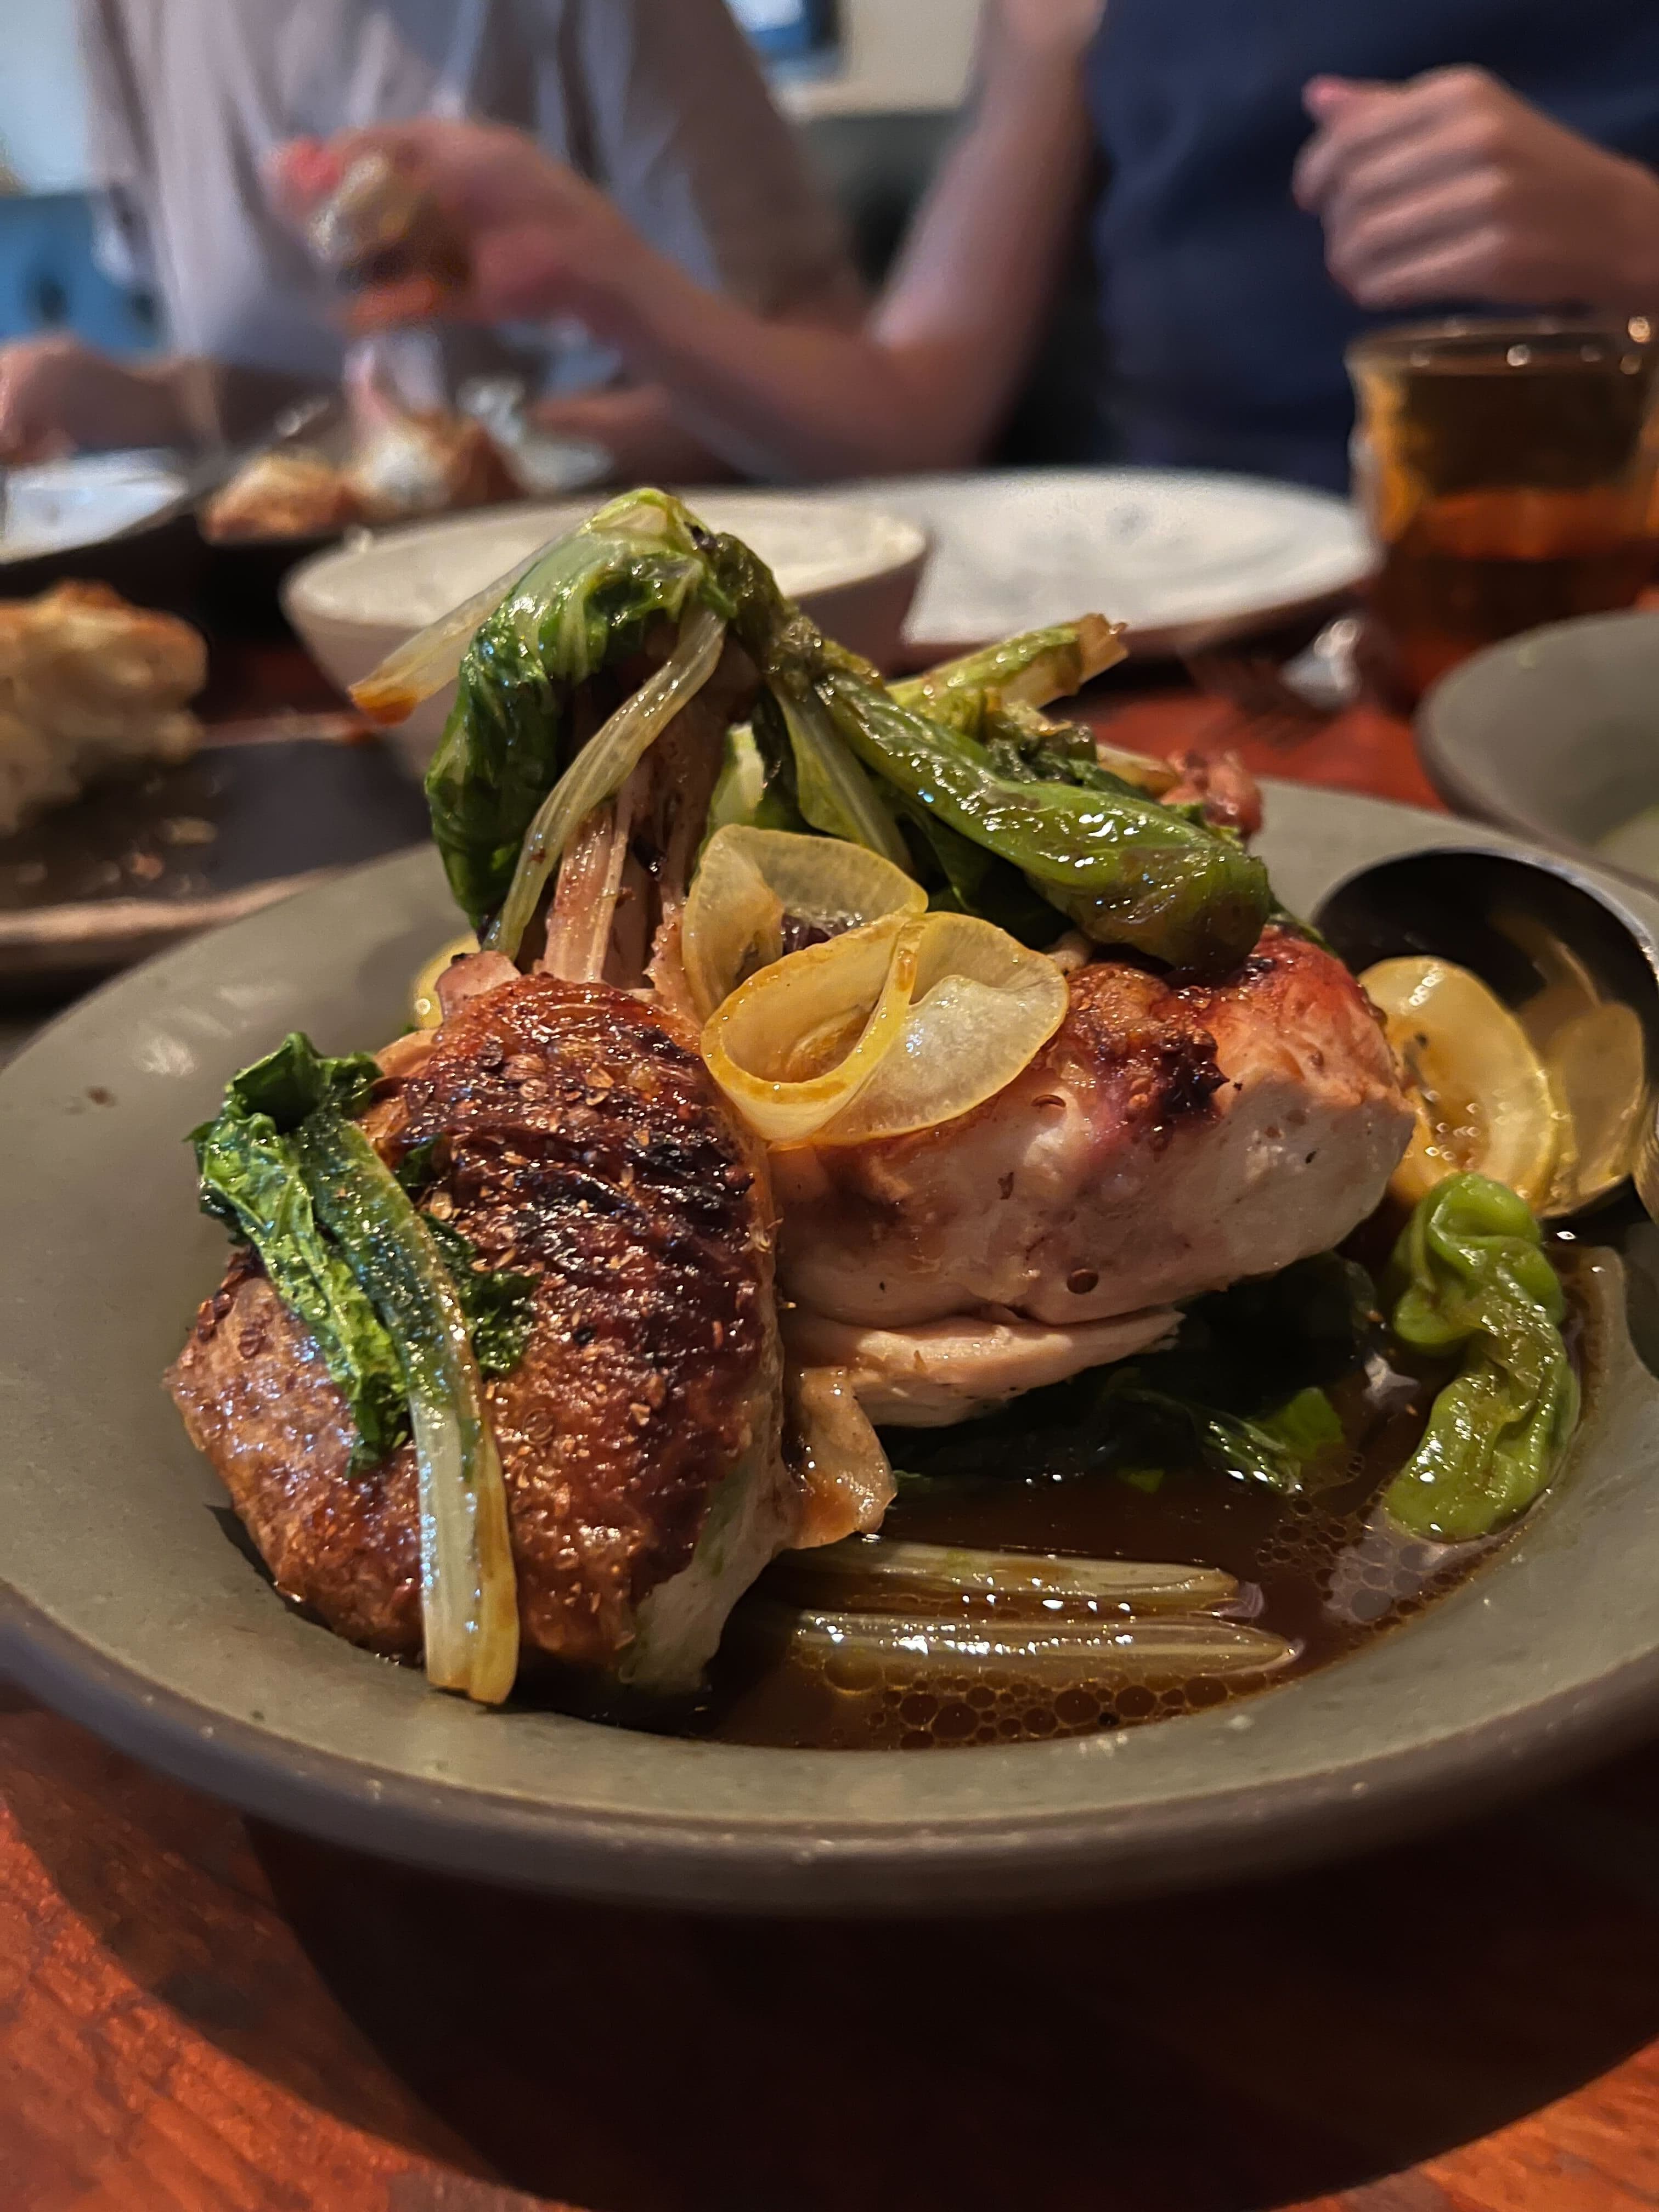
x,y
659,103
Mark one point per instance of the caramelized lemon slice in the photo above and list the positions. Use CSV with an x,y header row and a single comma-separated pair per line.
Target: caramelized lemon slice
x,y
1483,1097
982,1006
423,999
749,881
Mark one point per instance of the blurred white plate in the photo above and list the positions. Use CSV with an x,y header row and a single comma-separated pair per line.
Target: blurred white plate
x,y
55,506
1185,559
853,568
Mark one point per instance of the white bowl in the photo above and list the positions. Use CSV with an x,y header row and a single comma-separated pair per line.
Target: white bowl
x,y
853,568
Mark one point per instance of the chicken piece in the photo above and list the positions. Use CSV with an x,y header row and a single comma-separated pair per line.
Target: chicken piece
x,y
579,1140
410,460
942,1371
847,1479
1166,1141
88,684
292,492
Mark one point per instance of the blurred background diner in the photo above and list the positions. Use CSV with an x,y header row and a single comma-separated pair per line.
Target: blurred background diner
x,y
1069,301
1253,193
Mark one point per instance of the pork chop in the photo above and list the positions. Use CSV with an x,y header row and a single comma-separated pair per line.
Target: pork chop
x,y
1169,1140
578,1140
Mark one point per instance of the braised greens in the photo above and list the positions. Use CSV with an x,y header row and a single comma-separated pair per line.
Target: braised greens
x,y
1473,1277
285,1166
257,1179
253,1181
580,612
1241,1392
1005,816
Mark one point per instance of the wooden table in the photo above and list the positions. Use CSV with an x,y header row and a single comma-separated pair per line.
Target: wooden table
x,y
202,2013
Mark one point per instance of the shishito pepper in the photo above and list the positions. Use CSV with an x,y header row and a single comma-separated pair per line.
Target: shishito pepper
x,y
1473,1275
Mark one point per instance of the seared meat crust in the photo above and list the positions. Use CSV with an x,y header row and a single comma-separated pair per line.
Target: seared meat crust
x,y
1168,1140
579,1139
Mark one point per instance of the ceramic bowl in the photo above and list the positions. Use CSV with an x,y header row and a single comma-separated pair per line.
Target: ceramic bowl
x,y
1555,735
853,568
129,1597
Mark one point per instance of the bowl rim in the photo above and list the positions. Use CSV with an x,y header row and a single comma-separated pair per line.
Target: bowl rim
x,y
310,589
1485,797
1359,1752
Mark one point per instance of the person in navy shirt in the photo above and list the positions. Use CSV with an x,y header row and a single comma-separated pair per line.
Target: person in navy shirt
x,y
1270,178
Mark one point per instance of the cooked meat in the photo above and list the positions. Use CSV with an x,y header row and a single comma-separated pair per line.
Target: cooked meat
x,y
426,462
940,1372
847,1480
579,1140
88,684
293,492
1222,785
1167,1140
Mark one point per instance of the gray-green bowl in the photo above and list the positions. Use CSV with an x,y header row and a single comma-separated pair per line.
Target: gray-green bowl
x,y
126,1603
1554,735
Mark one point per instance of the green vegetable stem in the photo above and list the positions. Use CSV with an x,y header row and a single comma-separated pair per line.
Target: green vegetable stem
x,y
1475,1277
586,605
394,1302
1125,869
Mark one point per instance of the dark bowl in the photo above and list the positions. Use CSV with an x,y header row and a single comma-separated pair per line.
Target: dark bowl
x,y
158,563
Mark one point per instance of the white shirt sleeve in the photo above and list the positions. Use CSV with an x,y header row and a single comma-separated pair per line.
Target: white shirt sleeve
x,y
681,130
116,144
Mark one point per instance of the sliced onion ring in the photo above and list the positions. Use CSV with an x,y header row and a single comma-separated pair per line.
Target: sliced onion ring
x,y
829,1044
749,880
798,1040
982,1007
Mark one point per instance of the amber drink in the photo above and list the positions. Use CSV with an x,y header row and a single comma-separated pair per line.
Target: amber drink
x,y
1507,470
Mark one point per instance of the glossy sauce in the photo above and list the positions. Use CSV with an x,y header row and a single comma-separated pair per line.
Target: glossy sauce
x,y
1323,1570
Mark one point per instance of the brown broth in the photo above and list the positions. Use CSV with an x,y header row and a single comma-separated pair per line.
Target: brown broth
x,y
1319,1570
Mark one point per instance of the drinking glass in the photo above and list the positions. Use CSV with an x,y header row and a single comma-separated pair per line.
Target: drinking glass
x,y
1507,472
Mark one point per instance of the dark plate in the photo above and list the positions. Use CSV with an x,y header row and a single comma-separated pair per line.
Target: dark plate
x,y
144,859
128,1602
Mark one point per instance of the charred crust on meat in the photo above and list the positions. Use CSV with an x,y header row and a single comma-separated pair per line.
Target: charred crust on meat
x,y
574,1130
1127,1027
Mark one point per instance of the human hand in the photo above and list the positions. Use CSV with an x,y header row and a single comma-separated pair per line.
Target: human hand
x,y
1452,187
49,392
540,239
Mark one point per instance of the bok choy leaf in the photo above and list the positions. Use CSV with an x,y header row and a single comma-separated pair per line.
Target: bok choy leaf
x,y
1473,1276
587,604
394,1302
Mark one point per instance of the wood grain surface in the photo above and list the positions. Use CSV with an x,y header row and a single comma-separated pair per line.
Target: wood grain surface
x,y
202,2013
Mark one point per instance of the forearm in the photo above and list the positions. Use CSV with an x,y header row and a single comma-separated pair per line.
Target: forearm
x,y
637,425
924,383
777,399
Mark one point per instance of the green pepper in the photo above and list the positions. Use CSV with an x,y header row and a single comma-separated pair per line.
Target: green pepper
x,y
1029,670
1125,869
1474,1277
